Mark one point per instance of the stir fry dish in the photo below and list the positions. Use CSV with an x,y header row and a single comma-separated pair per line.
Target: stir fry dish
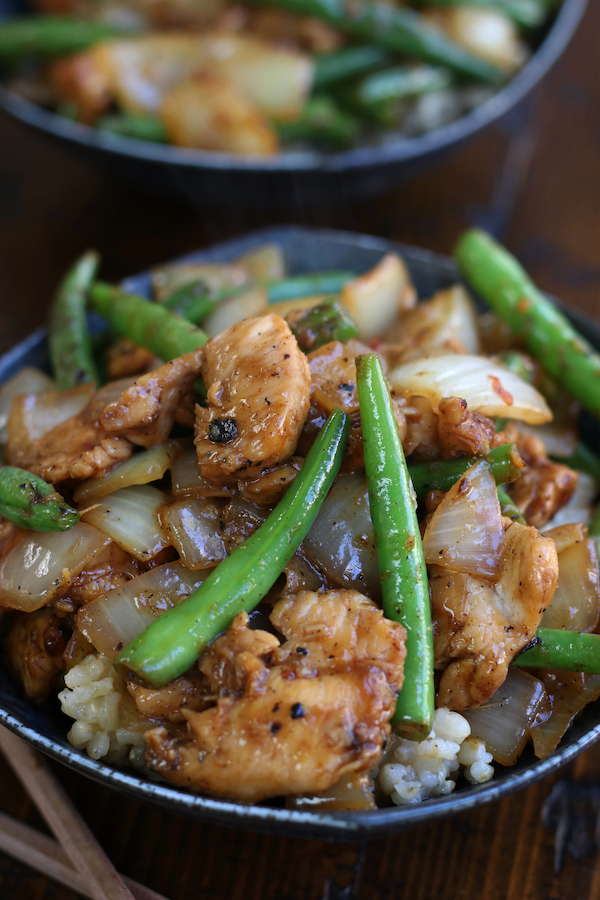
x,y
302,536
257,76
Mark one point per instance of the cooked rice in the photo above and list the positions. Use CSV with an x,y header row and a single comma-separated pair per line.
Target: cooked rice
x,y
92,695
416,770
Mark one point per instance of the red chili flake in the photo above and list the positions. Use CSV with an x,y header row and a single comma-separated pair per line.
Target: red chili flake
x,y
498,389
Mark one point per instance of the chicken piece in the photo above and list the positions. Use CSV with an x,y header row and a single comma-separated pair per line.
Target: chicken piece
x,y
544,487
207,112
77,79
480,626
333,386
258,384
112,568
125,359
168,702
271,484
464,433
291,718
76,448
289,29
145,412
34,649
451,431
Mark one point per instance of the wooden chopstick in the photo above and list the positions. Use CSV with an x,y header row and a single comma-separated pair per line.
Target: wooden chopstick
x,y
80,845
40,852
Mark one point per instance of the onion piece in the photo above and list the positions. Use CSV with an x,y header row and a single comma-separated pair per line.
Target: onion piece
x,y
141,468
130,517
341,541
353,791
568,693
575,604
376,299
252,302
579,508
488,387
449,318
266,263
465,532
112,621
560,438
34,415
505,721
27,381
487,33
216,276
40,567
186,479
195,537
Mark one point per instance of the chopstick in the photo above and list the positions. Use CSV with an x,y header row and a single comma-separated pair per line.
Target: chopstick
x,y
101,879
40,852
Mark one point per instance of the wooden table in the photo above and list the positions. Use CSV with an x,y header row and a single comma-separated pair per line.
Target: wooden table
x,y
536,182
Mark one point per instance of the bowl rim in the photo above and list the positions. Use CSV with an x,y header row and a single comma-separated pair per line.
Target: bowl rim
x,y
401,150
322,825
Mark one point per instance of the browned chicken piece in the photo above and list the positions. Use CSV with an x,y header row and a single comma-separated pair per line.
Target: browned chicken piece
x,y
465,433
34,649
544,487
168,702
77,448
288,29
145,411
290,718
270,486
333,386
480,626
258,385
112,568
125,359
452,431
79,80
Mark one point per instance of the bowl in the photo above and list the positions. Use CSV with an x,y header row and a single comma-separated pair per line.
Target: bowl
x,y
46,728
310,179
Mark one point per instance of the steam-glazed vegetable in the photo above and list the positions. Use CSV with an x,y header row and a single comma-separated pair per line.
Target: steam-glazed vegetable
x,y
252,80
272,531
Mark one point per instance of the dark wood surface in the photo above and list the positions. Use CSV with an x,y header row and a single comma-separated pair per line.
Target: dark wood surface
x,y
536,182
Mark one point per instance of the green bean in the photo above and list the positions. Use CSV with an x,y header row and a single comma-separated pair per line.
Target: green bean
x,y
329,321
171,644
348,62
549,335
379,95
138,126
297,286
50,36
147,324
527,13
567,651
404,585
30,502
323,122
509,508
583,460
398,29
68,335
195,301
505,461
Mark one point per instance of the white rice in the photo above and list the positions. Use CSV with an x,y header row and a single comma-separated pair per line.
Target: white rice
x,y
416,770
92,695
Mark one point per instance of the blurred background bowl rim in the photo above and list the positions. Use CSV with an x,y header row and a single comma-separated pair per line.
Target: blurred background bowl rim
x,y
402,150
323,825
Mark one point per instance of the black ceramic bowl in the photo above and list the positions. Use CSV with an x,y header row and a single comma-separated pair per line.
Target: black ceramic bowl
x,y
305,250
309,179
